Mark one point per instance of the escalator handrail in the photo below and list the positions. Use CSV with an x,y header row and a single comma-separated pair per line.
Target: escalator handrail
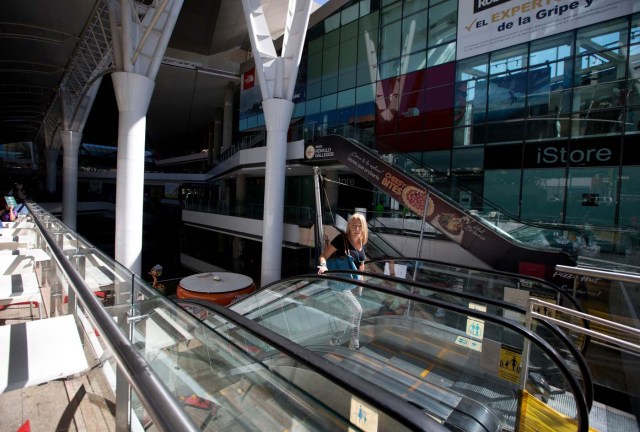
x,y
582,410
570,346
564,293
398,409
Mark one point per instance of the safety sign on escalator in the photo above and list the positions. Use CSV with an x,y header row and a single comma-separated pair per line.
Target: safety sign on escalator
x,y
363,416
510,363
475,326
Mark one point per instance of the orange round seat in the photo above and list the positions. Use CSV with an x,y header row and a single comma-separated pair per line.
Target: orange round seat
x,y
218,287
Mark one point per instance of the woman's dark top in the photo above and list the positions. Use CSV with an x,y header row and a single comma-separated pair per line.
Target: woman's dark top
x,y
339,243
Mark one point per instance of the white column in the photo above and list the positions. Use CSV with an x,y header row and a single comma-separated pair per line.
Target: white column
x,y
71,141
51,155
277,77
133,93
277,115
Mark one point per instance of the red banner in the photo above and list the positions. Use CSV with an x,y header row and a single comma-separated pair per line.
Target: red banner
x,y
248,79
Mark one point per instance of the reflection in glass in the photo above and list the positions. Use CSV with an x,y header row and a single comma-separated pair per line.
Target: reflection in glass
x,y
543,192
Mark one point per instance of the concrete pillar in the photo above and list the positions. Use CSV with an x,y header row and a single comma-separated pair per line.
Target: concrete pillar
x,y
51,155
227,122
241,193
133,93
237,251
217,133
210,144
277,114
34,159
71,141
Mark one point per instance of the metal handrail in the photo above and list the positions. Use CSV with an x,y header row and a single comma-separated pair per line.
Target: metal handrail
x,y
398,409
593,333
165,411
616,276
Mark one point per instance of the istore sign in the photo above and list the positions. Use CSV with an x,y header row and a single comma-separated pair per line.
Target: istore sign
x,y
576,155
487,25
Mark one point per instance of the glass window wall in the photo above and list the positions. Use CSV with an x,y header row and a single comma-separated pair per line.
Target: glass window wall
x,y
414,33
630,197
591,195
441,54
543,192
502,188
565,87
443,20
367,66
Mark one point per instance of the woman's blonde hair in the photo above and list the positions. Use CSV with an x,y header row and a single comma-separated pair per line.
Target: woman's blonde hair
x,y
364,233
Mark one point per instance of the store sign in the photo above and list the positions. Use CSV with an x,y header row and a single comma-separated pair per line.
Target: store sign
x,y
558,155
488,25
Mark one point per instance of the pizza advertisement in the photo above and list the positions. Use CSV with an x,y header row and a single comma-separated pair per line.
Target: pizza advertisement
x,y
405,190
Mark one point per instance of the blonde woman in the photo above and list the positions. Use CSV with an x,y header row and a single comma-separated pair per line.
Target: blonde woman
x,y
354,243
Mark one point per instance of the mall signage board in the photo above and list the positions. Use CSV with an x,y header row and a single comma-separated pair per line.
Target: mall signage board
x,y
488,25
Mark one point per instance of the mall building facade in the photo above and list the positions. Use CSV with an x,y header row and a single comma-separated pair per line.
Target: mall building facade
x,y
531,105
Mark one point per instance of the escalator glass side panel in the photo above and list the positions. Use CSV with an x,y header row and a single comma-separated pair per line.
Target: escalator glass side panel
x,y
457,364
214,368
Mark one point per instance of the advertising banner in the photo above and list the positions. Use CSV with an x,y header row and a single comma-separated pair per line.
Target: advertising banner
x,y
488,25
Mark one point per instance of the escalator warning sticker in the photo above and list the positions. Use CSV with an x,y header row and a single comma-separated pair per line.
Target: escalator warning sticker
x,y
510,363
363,416
469,343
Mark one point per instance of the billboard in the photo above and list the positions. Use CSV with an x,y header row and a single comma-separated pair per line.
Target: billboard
x,y
488,25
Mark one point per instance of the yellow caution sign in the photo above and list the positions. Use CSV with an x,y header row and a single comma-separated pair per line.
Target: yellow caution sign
x,y
363,416
510,363
537,416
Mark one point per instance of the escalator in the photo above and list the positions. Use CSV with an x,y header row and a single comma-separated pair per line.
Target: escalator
x,y
483,381
487,241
